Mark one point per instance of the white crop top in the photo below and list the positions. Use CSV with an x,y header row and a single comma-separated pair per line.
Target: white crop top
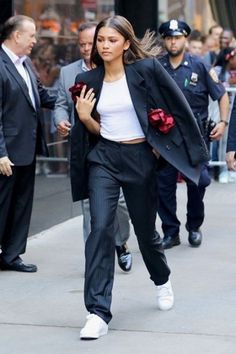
x,y
118,119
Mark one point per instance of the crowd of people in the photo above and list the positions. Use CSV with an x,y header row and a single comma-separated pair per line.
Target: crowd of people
x,y
217,49
137,116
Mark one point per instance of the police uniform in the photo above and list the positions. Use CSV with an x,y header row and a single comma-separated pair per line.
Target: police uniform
x,y
197,81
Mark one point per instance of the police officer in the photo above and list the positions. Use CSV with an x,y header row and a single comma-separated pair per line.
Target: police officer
x,y
196,80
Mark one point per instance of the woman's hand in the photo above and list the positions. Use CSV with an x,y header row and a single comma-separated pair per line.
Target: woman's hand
x,y
84,104
230,159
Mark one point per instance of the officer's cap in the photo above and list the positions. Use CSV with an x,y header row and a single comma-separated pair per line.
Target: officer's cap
x,y
174,28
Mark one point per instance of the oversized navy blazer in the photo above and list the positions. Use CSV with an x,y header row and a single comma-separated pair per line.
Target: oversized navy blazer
x,y
150,87
20,127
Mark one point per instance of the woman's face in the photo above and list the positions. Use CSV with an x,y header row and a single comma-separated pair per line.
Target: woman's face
x,y
111,44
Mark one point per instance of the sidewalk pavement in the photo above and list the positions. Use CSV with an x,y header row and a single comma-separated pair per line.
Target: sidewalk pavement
x,y
42,313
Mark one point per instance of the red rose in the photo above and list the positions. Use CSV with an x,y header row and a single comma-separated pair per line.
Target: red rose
x,y
161,120
76,90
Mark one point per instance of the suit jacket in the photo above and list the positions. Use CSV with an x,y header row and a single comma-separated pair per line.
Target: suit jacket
x,y
20,127
64,107
150,87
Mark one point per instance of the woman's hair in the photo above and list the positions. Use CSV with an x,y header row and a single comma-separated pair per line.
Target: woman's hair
x,y
138,49
14,23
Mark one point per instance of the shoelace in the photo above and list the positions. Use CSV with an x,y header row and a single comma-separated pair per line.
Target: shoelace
x,y
164,291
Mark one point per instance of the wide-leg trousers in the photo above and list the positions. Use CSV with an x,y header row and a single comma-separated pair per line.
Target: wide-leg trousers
x,y
121,223
132,167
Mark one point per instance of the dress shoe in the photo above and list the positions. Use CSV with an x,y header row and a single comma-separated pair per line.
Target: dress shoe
x,y
94,328
169,242
165,296
18,266
195,238
124,257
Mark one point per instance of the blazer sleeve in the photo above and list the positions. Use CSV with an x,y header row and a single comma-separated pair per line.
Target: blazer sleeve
x,y
62,110
47,99
182,113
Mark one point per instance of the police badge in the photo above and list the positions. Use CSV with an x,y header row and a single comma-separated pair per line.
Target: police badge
x,y
173,25
194,79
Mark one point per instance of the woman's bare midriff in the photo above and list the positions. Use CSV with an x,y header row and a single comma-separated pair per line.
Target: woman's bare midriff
x,y
134,141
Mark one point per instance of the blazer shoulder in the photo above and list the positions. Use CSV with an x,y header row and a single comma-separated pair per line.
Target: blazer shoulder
x,y
150,68
76,65
147,64
90,75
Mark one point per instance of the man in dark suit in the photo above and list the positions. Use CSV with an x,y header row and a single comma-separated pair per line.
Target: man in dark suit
x,y
21,96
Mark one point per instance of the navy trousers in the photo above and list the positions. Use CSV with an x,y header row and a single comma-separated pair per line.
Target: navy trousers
x,y
132,167
167,204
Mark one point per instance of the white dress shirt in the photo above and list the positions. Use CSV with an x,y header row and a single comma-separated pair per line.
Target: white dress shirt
x,y
18,62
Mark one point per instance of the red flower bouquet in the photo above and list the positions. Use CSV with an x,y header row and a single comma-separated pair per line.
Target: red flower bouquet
x,y
161,120
76,90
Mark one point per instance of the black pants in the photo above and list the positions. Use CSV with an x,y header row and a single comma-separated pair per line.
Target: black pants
x,y
132,167
167,204
16,199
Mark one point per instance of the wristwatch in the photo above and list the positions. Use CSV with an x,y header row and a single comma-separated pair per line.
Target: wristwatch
x,y
224,121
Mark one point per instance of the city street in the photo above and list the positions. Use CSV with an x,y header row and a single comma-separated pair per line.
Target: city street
x,y
43,313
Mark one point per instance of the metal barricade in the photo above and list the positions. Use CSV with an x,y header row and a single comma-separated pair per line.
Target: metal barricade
x,y
222,143
55,158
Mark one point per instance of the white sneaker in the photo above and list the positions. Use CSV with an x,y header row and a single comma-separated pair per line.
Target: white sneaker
x,y
94,328
232,176
165,296
224,177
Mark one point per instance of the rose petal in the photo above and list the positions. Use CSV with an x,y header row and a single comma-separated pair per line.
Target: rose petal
x,y
76,90
161,120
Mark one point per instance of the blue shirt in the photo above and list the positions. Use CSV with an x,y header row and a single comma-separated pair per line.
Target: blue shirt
x,y
197,81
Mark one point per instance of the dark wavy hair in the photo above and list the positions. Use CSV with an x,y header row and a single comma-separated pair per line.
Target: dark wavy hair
x,y
13,24
138,49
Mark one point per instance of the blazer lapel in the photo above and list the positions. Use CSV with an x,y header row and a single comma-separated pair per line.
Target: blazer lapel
x,y
33,79
79,66
97,84
10,67
138,93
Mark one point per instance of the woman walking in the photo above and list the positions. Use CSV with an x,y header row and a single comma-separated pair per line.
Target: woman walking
x,y
138,114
